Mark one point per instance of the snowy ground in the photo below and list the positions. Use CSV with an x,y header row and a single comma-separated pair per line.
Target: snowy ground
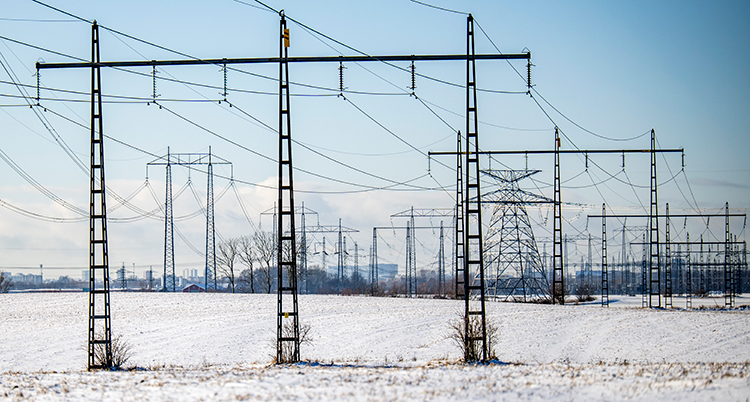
x,y
219,346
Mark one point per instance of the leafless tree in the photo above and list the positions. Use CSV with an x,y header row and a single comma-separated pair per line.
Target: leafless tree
x,y
248,257
227,258
5,283
265,253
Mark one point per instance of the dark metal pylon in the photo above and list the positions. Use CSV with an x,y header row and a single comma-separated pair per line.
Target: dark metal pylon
x,y
475,331
441,263
667,262
100,330
374,263
169,275
689,276
287,331
654,271
605,273
210,271
558,273
728,288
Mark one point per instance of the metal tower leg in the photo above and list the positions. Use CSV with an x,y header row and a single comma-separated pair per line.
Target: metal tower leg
x,y
728,291
441,263
100,331
414,287
210,274
605,274
374,263
340,267
407,278
653,266
475,340
303,250
558,273
667,263
287,331
169,276
689,277
644,275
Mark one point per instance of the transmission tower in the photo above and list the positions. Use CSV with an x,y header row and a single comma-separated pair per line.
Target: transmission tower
x,y
189,160
209,273
511,248
287,332
100,331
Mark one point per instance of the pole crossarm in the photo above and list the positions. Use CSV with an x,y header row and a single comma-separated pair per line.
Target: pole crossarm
x,y
670,215
695,243
330,229
298,59
425,213
566,151
189,159
415,227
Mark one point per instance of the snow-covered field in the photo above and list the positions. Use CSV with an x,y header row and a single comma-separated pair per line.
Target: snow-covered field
x,y
219,347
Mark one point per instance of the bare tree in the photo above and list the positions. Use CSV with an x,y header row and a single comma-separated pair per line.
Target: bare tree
x,y
5,283
265,251
227,258
248,257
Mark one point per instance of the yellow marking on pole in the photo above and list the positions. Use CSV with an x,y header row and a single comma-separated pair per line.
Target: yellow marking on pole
x,y
286,37
286,315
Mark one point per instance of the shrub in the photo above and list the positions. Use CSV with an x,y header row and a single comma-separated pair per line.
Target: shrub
x,y
287,348
472,350
120,349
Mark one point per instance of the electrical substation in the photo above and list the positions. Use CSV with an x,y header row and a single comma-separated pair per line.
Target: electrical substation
x,y
497,250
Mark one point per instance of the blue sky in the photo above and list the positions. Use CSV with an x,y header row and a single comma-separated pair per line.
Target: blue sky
x,y
618,69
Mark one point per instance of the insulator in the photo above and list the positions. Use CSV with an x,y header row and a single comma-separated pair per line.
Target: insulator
x,y
413,77
341,77
153,78
38,78
225,81
528,74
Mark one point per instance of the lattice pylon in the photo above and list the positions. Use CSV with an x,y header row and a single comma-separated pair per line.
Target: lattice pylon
x,y
100,329
287,316
210,273
475,330
515,268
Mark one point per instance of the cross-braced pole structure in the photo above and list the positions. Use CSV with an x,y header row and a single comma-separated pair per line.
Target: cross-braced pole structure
x,y
475,330
287,318
100,330
285,166
189,160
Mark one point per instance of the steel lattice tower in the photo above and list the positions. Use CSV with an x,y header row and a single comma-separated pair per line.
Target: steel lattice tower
x,y
667,262
605,273
100,330
475,331
654,271
169,276
511,248
210,273
287,331
374,262
558,271
441,263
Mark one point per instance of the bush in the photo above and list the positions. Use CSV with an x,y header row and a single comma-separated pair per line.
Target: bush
x,y
121,352
287,348
472,350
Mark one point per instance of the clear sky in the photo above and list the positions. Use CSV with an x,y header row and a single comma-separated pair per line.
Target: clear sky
x,y
617,69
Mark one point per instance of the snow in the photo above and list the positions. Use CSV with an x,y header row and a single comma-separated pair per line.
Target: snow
x,y
220,346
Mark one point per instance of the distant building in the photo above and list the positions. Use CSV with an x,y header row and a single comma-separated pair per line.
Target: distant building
x,y
387,271
29,279
193,288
